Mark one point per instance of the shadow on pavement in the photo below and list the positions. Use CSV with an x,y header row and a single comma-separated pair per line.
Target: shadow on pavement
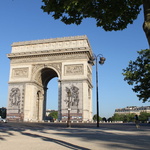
x,y
111,136
60,142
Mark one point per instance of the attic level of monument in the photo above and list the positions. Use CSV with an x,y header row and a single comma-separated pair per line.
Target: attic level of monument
x,y
34,63
78,42
52,40
50,46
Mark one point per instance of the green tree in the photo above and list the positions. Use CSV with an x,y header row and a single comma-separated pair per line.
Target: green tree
x,y
104,119
131,117
109,119
144,116
138,74
123,117
54,114
95,118
109,14
117,117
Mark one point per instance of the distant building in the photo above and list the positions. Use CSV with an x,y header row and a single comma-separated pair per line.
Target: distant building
x,y
132,109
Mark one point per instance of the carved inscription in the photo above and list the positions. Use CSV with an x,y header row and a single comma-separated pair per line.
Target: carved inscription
x,y
20,72
74,69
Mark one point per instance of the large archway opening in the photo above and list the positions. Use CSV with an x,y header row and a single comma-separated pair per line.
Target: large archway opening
x,y
52,100
52,94
50,84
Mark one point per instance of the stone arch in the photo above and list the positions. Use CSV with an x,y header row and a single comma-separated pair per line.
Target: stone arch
x,y
43,76
37,70
34,63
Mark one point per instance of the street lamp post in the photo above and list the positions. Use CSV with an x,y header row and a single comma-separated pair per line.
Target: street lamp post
x,y
101,61
69,96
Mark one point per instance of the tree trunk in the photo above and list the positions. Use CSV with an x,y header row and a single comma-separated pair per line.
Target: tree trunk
x,y
146,24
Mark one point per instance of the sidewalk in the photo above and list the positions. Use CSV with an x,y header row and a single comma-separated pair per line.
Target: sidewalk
x,y
74,139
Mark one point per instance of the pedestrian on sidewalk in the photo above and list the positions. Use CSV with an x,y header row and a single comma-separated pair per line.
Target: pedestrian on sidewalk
x,y
137,121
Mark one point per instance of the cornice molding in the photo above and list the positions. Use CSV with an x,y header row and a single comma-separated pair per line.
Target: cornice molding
x,y
25,83
50,57
75,80
49,52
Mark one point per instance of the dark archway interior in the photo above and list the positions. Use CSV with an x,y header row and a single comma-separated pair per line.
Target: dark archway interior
x,y
47,74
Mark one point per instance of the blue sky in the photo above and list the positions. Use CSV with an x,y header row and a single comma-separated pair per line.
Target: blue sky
x,y
23,20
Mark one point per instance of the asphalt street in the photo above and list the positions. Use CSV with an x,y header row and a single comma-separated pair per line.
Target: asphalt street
x,y
56,136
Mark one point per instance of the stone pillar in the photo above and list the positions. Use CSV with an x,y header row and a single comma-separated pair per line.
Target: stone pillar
x,y
41,108
44,103
38,105
59,99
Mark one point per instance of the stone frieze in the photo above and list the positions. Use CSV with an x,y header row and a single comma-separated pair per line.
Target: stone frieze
x,y
76,69
20,72
48,58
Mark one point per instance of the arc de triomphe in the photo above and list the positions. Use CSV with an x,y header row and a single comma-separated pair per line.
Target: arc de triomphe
x,y
34,63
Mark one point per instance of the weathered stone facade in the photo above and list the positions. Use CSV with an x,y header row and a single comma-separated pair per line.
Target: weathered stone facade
x,y
34,63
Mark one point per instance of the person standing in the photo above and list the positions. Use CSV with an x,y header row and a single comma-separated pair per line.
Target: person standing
x,y
137,121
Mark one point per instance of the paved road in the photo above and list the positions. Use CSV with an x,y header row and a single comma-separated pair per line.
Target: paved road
x,y
56,136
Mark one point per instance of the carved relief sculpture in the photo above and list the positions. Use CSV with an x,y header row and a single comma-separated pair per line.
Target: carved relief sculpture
x,y
14,97
20,72
74,99
74,69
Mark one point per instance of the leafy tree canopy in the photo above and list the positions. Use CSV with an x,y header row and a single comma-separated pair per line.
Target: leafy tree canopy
x,y
109,14
138,74
130,117
95,117
144,116
123,117
54,114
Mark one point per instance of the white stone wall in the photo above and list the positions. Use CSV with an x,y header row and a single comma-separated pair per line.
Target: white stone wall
x,y
68,58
